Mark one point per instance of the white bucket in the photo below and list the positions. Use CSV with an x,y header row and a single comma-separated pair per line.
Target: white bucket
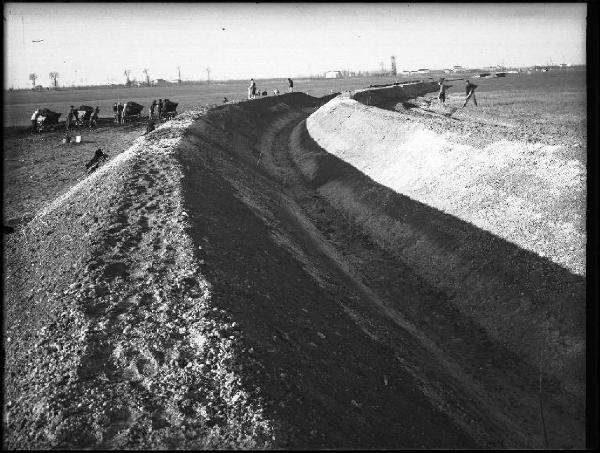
x,y
78,139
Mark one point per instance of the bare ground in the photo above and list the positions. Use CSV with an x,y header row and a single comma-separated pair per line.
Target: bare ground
x,y
201,293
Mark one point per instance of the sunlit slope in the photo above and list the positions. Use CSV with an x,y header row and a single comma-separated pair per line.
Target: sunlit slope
x,y
499,230
523,192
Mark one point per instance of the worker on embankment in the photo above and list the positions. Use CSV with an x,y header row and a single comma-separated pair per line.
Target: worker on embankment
x,y
470,92
150,126
94,162
290,85
252,89
442,93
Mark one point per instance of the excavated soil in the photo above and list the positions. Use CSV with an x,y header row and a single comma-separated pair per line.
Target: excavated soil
x,y
199,291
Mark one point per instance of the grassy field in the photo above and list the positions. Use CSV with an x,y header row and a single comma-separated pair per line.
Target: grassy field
x,y
537,89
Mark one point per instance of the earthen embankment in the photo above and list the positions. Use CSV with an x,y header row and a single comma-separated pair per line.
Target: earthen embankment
x,y
507,253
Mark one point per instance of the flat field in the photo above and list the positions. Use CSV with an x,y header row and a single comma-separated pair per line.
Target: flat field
x,y
546,98
19,105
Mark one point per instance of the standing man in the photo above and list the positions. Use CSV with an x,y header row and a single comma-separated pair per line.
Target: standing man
x,y
442,93
74,115
291,85
115,109
152,107
160,109
251,89
34,119
94,118
470,92
120,113
69,119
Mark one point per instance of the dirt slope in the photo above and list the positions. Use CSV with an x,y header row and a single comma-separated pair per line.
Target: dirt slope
x,y
208,295
110,341
434,202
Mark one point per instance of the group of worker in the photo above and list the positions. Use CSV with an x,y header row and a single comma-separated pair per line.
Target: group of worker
x,y
157,109
73,118
118,110
253,91
469,92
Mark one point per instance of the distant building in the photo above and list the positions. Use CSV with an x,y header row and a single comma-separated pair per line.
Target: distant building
x,y
458,69
160,82
333,74
423,71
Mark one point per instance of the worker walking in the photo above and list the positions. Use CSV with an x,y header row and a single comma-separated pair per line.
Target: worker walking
x,y
290,85
152,108
470,92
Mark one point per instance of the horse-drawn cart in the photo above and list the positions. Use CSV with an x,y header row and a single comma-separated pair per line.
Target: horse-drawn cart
x,y
170,109
84,113
47,120
132,110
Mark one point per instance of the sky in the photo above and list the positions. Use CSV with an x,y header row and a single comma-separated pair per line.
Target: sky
x,y
93,43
